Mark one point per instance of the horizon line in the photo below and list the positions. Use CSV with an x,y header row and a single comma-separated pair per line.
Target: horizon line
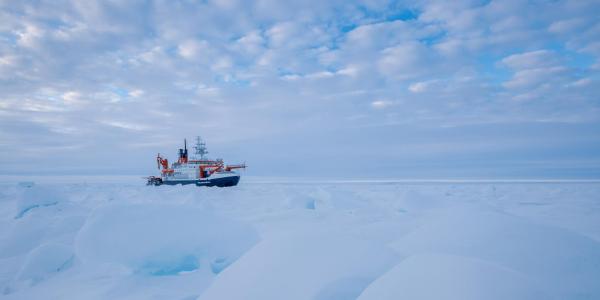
x,y
287,179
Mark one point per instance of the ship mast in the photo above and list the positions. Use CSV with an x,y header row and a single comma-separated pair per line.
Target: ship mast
x,y
200,149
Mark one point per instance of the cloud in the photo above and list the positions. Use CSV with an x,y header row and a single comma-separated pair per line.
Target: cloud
x,y
536,69
136,93
420,87
29,35
125,125
252,43
531,60
533,77
566,26
192,49
72,98
405,61
236,71
581,82
349,71
382,104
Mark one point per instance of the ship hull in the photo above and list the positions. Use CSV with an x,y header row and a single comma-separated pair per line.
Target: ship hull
x,y
224,181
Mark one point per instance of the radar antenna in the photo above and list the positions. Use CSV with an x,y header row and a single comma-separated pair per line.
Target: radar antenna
x,y
200,148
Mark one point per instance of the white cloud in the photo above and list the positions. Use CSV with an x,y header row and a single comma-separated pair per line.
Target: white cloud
x,y
281,34
125,125
581,82
419,87
320,75
531,60
72,98
529,78
405,61
8,60
29,35
204,90
351,70
39,106
192,49
291,77
566,26
535,69
136,93
251,43
382,104
222,63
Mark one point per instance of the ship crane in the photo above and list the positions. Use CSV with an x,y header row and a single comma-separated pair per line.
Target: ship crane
x,y
233,167
162,162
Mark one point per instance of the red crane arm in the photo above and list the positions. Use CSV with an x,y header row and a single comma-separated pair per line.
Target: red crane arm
x,y
216,168
231,167
162,161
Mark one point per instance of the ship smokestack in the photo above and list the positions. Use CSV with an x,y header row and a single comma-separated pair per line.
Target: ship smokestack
x,y
185,152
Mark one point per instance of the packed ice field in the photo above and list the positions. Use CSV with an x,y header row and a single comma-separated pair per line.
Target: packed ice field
x,y
367,240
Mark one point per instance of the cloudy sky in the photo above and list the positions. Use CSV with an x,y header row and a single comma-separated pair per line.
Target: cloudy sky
x,y
415,89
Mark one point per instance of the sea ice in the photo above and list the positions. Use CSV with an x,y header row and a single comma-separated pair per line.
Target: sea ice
x,y
283,240
162,239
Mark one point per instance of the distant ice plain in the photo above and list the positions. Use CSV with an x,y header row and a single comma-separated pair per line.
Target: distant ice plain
x,y
275,238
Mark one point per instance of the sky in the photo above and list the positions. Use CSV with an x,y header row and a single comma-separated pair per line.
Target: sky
x,y
337,89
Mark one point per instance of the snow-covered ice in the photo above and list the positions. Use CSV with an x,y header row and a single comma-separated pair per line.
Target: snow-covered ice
x,y
85,239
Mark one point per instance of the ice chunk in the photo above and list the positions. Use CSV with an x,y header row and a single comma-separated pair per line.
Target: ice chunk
x,y
26,184
46,260
21,237
36,196
433,277
565,263
159,239
303,266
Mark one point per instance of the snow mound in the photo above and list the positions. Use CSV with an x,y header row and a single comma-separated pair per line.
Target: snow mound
x,y
21,237
303,266
159,239
566,263
26,184
46,260
35,197
424,277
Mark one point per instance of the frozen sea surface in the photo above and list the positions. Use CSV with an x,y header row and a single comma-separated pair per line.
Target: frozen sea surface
x,y
84,238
